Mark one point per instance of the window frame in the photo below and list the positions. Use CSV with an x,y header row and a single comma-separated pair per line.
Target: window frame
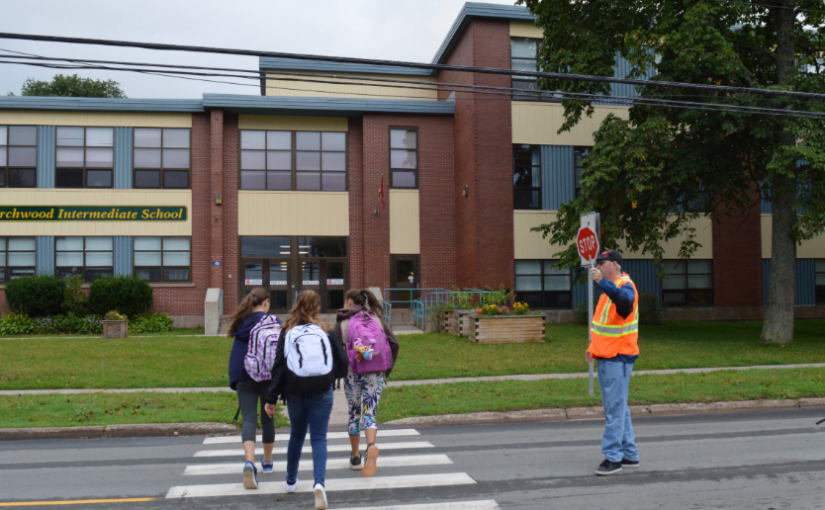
x,y
5,268
162,265
417,154
577,169
687,289
6,168
161,169
84,168
85,251
544,264
532,91
533,168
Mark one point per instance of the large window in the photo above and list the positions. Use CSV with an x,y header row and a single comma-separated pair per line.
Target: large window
x,y
541,285
84,157
523,57
526,176
819,267
161,158
17,257
579,153
688,283
293,160
92,257
18,156
162,259
403,158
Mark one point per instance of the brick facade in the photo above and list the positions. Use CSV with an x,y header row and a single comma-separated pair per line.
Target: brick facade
x,y
737,258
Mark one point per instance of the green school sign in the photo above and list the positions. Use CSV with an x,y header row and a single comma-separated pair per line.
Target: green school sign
x,y
92,213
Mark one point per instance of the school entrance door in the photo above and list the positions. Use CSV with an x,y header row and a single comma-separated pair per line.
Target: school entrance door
x,y
404,274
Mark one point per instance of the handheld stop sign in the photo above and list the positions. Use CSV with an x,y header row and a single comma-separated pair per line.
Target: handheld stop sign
x,y
587,243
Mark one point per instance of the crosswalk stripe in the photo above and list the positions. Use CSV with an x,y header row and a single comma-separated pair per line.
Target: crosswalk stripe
x,y
330,435
337,484
488,504
307,449
332,464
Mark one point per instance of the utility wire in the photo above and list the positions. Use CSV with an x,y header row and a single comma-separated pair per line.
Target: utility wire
x,y
415,65
754,4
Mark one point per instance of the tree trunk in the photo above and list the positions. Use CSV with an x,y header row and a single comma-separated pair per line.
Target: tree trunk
x,y
779,316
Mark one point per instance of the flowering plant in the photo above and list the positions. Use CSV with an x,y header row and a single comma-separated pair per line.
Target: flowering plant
x,y
521,308
112,315
493,310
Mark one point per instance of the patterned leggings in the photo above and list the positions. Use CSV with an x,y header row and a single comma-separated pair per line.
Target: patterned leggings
x,y
363,392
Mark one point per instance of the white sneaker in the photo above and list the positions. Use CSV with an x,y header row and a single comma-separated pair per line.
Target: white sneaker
x,y
320,497
291,488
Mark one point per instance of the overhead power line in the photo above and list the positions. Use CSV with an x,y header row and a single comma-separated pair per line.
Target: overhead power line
x,y
768,6
414,65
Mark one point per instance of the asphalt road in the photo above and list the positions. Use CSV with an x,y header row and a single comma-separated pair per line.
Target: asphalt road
x,y
765,460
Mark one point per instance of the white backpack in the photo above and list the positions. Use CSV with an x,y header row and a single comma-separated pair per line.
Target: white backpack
x,y
309,358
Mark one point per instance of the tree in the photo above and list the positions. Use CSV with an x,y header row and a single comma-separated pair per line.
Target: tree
x,y
72,86
644,171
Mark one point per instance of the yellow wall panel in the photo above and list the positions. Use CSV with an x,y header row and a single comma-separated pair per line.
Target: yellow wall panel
x,y
810,249
107,119
405,228
351,86
525,29
538,124
704,236
109,197
293,213
293,123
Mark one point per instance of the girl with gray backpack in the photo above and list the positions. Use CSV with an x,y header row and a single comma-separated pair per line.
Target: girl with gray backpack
x,y
372,350
306,365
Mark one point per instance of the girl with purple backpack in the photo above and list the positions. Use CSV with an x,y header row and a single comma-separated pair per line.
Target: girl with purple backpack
x,y
367,340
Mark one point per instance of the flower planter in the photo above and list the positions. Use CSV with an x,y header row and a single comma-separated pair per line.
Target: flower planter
x,y
504,329
450,321
463,321
115,329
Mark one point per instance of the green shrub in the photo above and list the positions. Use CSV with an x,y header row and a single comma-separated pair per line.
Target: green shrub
x,y
150,323
16,324
75,301
651,312
36,296
126,294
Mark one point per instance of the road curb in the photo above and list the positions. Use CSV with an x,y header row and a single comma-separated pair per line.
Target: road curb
x,y
120,431
597,413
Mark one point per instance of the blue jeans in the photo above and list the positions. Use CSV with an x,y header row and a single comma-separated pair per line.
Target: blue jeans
x,y
617,442
313,411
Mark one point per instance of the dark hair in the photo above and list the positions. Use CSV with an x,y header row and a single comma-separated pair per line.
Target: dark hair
x,y
366,299
305,310
252,300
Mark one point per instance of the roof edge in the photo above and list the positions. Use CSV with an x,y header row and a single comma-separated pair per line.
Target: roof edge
x,y
101,104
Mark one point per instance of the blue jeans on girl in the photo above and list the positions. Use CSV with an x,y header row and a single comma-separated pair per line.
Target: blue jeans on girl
x,y
311,411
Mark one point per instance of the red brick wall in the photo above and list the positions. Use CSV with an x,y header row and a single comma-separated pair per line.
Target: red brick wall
x,y
355,175
737,258
230,252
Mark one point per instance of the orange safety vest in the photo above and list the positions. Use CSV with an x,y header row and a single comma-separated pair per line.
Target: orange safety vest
x,y
611,334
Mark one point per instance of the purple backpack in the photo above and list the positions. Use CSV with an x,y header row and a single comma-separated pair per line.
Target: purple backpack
x,y
367,346
263,345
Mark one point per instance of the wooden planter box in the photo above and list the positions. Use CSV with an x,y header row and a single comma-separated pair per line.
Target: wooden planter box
x,y
504,329
115,329
463,322
446,324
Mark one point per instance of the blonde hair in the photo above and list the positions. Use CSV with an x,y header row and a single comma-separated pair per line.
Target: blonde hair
x,y
305,311
252,300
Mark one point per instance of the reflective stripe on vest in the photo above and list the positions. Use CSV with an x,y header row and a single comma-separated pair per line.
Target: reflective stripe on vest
x,y
611,333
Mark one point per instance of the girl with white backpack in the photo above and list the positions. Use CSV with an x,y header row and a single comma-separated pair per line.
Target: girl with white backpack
x,y
250,363
372,350
306,365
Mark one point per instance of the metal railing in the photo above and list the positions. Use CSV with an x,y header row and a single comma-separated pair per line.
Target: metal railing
x,y
429,298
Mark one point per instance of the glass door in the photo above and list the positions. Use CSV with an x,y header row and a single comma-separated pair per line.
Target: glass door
x,y
404,274
279,284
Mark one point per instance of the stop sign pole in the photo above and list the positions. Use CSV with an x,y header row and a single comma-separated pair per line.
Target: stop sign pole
x,y
587,243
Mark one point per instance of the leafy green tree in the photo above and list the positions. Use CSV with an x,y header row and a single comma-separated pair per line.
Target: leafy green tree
x,y
72,86
644,171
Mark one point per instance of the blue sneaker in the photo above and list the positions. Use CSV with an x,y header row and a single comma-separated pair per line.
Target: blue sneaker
x,y
250,476
266,466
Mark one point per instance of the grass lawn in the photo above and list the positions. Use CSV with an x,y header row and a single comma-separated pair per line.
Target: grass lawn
x,y
179,361
469,397
119,408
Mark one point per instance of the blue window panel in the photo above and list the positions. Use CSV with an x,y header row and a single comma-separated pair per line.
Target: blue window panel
x,y
123,157
557,176
123,256
805,282
641,271
45,156
44,257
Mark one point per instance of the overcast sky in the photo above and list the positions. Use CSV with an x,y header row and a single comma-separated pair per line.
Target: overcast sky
x,y
407,30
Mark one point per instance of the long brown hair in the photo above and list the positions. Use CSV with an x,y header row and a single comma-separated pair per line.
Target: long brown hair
x,y
305,310
252,300
366,299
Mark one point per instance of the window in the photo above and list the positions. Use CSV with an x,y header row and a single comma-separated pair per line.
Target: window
x,y
403,158
526,176
541,285
688,283
162,259
819,268
523,57
84,157
161,158
579,153
287,160
17,257
18,156
92,257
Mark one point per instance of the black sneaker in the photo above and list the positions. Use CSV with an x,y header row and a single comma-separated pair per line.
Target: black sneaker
x,y
608,468
630,463
355,463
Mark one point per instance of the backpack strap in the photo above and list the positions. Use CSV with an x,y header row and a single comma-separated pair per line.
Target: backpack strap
x,y
345,331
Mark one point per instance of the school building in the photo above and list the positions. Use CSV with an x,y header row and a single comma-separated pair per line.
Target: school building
x,y
281,189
